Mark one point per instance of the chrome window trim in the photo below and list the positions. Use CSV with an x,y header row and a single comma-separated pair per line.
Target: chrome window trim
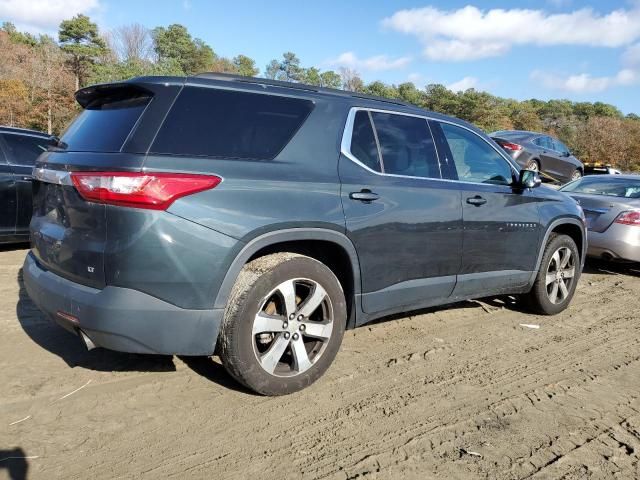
x,y
57,177
345,145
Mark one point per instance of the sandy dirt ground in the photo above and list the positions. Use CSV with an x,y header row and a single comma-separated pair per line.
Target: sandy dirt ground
x,y
462,392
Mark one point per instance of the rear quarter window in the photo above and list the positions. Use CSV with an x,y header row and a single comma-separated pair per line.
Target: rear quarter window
x,y
229,124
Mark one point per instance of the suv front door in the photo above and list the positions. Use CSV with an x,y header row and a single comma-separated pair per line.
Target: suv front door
x,y
501,222
405,222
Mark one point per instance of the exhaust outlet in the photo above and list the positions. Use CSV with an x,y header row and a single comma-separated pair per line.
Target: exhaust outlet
x,y
87,341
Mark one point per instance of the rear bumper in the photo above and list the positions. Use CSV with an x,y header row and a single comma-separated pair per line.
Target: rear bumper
x,y
619,242
122,319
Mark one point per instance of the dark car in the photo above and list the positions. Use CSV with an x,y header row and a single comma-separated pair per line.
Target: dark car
x,y
540,152
259,219
611,204
19,149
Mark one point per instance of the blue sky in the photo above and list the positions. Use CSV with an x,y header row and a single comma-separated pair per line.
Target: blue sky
x,y
580,50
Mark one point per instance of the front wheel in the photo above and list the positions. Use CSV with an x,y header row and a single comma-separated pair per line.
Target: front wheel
x,y
577,175
557,278
284,323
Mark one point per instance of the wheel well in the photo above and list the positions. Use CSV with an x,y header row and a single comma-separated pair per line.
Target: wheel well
x,y
573,231
331,254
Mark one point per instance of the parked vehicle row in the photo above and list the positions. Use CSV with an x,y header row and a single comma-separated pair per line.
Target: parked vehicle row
x,y
19,149
541,153
259,219
611,204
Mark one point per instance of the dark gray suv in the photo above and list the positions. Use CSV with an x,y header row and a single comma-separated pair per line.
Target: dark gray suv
x,y
259,219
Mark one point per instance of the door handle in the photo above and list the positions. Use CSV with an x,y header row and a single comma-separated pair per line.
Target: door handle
x,y
364,195
27,178
477,201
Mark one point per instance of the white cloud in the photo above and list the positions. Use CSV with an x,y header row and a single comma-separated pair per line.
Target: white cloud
x,y
470,33
38,16
628,75
584,82
463,84
631,56
414,77
373,64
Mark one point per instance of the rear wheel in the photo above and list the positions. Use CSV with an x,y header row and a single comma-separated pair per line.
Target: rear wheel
x,y
557,278
284,323
533,165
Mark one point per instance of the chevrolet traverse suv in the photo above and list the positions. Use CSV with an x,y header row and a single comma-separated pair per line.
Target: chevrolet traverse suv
x,y
259,219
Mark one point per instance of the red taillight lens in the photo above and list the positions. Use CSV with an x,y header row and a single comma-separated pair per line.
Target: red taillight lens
x,y
155,191
629,218
511,146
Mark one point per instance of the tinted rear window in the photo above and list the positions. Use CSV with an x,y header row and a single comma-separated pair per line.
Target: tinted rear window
x,y
229,124
105,124
24,149
624,188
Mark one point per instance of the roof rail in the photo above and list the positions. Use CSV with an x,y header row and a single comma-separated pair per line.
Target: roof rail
x,y
229,77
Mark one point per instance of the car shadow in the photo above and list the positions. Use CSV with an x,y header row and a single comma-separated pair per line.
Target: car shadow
x,y
70,348
215,372
602,267
15,462
10,247
489,304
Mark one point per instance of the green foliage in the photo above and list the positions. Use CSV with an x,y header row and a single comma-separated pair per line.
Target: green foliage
x,y
175,44
15,36
245,66
287,70
80,39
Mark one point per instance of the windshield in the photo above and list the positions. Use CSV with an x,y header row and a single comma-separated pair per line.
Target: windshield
x,y
619,187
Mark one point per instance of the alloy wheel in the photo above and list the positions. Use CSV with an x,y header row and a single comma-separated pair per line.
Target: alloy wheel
x,y
292,327
560,275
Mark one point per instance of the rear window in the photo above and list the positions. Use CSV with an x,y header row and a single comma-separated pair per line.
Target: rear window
x,y
105,124
24,149
228,124
623,188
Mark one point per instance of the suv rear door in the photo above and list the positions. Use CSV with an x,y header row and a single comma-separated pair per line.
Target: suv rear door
x,y
501,224
69,233
405,222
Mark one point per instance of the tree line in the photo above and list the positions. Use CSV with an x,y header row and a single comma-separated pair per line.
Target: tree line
x,y
39,74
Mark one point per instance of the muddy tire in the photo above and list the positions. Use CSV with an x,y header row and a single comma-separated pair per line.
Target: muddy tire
x,y
557,277
283,324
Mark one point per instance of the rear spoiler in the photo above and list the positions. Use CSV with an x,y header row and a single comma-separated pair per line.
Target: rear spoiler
x,y
111,92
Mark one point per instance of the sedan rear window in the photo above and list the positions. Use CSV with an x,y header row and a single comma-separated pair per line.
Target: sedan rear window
x,y
623,188
230,124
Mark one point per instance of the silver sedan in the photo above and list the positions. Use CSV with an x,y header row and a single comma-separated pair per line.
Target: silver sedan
x,y
611,204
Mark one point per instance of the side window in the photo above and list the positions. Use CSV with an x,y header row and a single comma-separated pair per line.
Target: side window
x,y
23,150
230,124
406,145
363,141
475,160
560,147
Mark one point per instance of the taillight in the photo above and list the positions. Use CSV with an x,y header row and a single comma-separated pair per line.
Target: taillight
x,y
155,191
629,218
511,146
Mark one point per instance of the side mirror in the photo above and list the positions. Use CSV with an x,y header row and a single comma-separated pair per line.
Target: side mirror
x,y
529,179
566,154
